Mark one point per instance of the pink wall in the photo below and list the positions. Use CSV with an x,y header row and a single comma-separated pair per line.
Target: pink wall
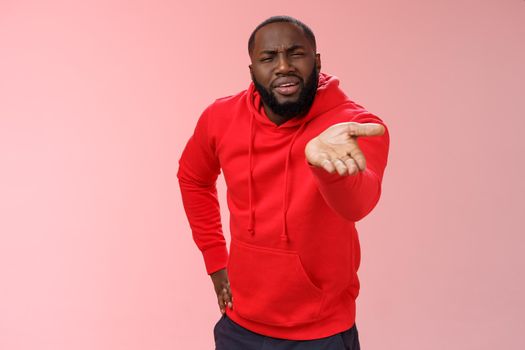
x,y
97,101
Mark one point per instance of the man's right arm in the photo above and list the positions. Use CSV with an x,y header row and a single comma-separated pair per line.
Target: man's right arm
x,y
198,171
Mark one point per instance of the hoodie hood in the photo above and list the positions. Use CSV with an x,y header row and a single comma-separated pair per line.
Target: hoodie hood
x,y
328,96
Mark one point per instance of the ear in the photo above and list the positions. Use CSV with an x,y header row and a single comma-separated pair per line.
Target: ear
x,y
318,61
251,71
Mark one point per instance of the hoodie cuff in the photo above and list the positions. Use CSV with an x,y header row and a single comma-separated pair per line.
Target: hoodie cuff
x,y
215,258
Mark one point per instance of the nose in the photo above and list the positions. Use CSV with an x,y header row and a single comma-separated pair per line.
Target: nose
x,y
283,64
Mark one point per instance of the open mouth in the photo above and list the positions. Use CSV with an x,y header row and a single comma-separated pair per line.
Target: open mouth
x,y
287,89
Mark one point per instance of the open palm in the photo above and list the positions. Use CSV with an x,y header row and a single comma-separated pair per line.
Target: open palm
x,y
336,148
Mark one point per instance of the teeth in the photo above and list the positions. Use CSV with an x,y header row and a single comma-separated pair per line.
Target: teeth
x,y
287,84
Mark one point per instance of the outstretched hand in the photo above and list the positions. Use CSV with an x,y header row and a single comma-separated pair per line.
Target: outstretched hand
x,y
336,148
221,285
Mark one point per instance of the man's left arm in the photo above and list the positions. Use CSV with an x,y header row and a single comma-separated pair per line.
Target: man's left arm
x,y
348,161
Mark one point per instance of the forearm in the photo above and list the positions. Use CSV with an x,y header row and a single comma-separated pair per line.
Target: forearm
x,y
202,210
352,197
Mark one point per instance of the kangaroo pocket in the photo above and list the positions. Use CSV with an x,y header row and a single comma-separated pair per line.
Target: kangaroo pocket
x,y
271,286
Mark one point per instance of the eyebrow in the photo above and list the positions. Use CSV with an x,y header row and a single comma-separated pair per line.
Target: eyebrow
x,y
291,48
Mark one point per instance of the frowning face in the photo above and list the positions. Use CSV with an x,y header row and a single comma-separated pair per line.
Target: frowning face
x,y
285,69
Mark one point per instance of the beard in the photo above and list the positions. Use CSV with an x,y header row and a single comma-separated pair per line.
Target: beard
x,y
298,108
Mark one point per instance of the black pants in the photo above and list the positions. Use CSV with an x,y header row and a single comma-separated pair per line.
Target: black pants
x,y
231,336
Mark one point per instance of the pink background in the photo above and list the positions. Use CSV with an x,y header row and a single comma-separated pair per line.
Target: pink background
x,y
97,100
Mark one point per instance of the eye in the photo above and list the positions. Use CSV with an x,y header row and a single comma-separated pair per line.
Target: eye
x,y
297,54
266,59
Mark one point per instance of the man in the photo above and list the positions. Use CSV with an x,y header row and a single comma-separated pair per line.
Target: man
x,y
302,164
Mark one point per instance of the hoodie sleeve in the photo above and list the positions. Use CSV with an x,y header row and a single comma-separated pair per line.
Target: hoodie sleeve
x,y
353,197
198,171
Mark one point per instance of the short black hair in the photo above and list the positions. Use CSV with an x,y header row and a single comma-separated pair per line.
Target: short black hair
x,y
287,19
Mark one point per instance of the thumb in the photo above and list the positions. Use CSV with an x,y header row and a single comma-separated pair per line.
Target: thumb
x,y
365,129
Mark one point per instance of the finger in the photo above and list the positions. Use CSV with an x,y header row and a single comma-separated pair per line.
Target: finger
x,y
356,154
227,297
224,295
221,304
222,299
365,129
326,161
340,166
327,165
351,165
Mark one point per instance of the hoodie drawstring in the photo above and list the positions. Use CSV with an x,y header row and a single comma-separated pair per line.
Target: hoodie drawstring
x,y
251,209
284,232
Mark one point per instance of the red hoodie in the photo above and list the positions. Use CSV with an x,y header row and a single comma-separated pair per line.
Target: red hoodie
x,y
294,250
